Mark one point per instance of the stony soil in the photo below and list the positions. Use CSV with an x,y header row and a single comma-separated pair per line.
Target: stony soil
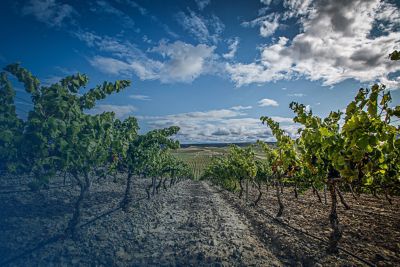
x,y
371,227
190,224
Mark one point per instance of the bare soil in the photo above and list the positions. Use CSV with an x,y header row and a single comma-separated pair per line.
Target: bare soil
x,y
371,227
191,224
187,225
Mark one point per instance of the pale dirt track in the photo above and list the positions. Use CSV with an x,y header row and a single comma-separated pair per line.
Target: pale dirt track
x,y
187,225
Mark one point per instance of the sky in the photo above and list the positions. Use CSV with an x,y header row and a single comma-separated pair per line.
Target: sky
x,y
211,67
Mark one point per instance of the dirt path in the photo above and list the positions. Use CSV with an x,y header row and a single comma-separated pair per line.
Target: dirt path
x,y
196,226
189,225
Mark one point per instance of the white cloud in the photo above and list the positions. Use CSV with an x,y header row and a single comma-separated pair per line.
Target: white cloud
x,y
140,97
181,62
337,42
268,27
218,126
282,119
121,111
185,62
205,30
272,67
109,65
51,12
241,107
296,8
266,2
268,24
243,74
233,46
212,126
267,102
201,4
387,16
145,70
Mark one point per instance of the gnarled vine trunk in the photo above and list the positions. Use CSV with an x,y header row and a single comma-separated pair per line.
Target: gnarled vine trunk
x,y
317,193
336,233
241,188
258,185
159,185
247,190
148,190
164,184
342,200
352,192
153,179
387,196
280,203
84,186
128,193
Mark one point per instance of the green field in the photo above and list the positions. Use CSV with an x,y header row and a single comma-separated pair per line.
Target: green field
x,y
198,158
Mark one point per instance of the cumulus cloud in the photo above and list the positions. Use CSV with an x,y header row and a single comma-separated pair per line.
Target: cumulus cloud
x,y
273,66
223,125
268,27
205,30
266,102
181,62
296,8
185,62
338,41
51,12
212,126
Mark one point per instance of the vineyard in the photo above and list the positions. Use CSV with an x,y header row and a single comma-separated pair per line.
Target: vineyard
x,y
78,188
197,159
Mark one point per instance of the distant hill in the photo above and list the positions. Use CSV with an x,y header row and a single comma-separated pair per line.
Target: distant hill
x,y
220,144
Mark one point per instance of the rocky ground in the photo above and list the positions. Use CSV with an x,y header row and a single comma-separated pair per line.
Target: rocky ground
x,y
190,224
371,227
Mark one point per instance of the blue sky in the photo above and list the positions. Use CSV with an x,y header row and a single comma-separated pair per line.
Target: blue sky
x,y
212,67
